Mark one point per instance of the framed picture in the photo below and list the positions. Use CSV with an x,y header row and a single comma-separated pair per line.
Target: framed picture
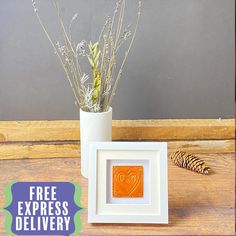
x,y
128,182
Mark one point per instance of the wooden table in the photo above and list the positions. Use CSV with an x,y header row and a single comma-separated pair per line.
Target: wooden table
x,y
198,204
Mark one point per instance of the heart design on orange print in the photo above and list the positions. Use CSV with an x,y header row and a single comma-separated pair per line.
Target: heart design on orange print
x,y
127,181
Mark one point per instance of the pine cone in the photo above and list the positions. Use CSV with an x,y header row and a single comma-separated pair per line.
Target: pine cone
x,y
189,161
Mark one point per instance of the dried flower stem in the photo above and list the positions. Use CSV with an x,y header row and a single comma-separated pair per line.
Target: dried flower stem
x,y
60,59
95,94
124,60
113,49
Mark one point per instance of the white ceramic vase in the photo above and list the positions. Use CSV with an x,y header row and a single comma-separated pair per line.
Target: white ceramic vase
x,y
94,127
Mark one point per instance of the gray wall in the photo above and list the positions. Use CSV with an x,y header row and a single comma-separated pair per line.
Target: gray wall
x,y
181,65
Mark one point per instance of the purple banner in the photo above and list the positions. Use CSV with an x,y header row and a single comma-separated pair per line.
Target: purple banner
x,y
44,208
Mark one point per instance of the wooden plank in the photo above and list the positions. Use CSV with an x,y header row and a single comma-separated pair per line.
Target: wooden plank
x,y
209,146
190,129
55,150
198,204
67,150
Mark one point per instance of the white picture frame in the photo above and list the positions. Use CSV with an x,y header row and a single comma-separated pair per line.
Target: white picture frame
x,y
152,206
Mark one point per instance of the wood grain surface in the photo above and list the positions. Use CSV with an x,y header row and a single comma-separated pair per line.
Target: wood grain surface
x,y
198,204
193,129
72,149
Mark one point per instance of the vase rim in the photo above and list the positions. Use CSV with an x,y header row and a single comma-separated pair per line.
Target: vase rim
x,y
109,110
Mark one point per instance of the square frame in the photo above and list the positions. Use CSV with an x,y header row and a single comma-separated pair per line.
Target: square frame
x,y
102,155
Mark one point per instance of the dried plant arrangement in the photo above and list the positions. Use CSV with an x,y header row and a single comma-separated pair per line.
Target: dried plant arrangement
x,y
94,91
189,161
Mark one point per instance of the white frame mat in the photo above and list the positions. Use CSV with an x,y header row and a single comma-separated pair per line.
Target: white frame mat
x,y
153,207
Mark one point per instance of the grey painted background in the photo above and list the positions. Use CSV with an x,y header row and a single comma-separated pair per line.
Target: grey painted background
x,y
181,65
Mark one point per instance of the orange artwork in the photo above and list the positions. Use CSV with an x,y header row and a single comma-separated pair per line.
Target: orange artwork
x,y
127,181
